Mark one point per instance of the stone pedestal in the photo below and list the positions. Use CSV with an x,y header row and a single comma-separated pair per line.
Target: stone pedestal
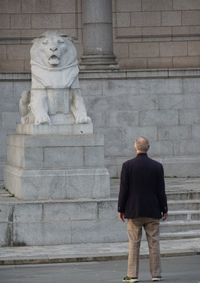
x,y
97,35
41,167
68,129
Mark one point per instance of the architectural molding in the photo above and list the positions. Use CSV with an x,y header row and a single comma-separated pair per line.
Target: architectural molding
x,y
117,74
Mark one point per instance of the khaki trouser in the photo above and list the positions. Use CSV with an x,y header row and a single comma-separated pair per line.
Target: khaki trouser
x,y
151,227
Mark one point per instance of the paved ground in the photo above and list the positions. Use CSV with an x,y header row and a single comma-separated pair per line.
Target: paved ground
x,y
91,252
175,270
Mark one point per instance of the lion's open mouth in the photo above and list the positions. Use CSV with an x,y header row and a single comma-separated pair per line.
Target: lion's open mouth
x,y
54,60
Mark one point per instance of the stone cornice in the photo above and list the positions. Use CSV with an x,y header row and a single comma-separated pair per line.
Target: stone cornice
x,y
117,74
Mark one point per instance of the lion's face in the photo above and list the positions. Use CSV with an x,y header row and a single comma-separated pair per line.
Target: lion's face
x,y
53,50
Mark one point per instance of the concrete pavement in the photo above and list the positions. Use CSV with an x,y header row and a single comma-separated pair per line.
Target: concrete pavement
x,y
90,252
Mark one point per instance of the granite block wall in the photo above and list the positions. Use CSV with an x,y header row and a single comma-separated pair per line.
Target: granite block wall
x,y
23,20
146,33
163,106
157,33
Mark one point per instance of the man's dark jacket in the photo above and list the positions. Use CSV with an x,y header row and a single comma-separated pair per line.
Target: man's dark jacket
x,y
142,188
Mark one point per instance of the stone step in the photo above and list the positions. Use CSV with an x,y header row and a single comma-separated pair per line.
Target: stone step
x,y
171,195
38,222
176,188
179,226
171,183
183,195
184,204
174,166
192,234
184,215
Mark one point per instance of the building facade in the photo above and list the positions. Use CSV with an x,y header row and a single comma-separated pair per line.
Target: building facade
x,y
139,75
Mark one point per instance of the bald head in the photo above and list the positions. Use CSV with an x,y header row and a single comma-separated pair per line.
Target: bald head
x,y
141,145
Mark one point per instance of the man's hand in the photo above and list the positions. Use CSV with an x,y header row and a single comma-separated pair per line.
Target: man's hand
x,y
121,216
164,216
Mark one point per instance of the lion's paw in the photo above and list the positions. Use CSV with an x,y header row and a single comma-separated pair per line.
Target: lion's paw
x,y
82,119
42,119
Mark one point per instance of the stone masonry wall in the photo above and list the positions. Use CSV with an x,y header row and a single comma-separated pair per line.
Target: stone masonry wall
x,y
146,33
164,106
23,20
157,33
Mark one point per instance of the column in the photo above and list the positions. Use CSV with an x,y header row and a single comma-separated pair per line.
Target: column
x,y
97,35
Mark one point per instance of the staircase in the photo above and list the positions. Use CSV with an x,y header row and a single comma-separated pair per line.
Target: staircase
x,y
183,196
35,223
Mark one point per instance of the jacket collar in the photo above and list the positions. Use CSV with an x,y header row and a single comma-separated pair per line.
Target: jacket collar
x,y
141,154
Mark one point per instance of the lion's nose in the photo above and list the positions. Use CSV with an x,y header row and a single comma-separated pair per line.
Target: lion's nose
x,y
53,48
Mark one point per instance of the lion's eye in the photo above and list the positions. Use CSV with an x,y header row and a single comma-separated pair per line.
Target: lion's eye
x,y
45,42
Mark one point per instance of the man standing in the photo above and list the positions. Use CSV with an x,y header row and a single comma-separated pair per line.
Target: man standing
x,y
142,200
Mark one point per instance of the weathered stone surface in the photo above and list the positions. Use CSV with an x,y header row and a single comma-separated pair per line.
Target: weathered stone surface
x,y
156,31
183,62
4,21
74,210
190,17
188,117
163,108
159,148
57,184
186,5
145,19
18,52
144,49
174,132
193,48
35,184
63,157
157,5
191,85
98,231
73,129
128,5
171,18
25,157
88,183
93,156
171,101
63,6
5,229
45,152
32,212
123,19
11,6
41,233
158,117
173,48
6,212
60,141
36,6
160,62
20,21
196,131
9,120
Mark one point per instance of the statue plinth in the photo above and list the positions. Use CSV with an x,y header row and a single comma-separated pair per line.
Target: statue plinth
x,y
56,167
68,129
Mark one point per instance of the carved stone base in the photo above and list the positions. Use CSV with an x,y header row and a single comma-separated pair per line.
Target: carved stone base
x,y
57,184
46,167
70,129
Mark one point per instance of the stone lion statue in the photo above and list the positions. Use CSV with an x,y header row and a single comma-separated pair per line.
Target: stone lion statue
x,y
55,93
